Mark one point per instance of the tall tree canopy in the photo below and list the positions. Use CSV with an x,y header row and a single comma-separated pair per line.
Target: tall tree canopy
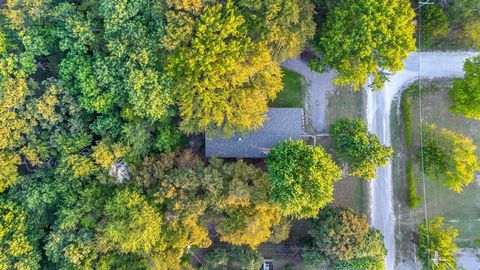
x,y
361,149
346,239
16,248
223,79
436,246
364,38
285,25
95,101
449,157
465,93
301,178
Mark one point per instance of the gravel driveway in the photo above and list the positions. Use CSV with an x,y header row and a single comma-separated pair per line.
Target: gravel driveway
x,y
317,87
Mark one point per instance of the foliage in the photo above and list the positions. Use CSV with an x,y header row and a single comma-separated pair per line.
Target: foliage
x,y
376,36
285,25
301,178
248,216
312,258
434,24
450,25
407,117
362,150
134,226
449,157
465,93
281,231
216,258
412,199
227,86
436,246
17,249
347,239
248,259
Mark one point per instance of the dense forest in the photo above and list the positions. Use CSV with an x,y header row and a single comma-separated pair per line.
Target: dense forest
x,y
99,100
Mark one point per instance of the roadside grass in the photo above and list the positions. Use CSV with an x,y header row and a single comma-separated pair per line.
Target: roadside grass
x,y
344,102
461,210
293,93
407,122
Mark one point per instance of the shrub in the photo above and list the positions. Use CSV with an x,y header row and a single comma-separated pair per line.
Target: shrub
x,y
407,118
413,199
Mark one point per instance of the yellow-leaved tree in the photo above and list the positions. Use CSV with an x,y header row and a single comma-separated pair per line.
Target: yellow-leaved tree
x,y
223,79
449,157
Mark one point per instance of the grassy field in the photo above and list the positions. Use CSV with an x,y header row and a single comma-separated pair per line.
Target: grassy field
x,y
461,210
293,93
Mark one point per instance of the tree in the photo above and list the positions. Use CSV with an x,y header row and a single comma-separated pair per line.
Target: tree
x,y
285,25
301,178
132,225
347,239
436,247
375,37
434,25
223,79
312,259
465,93
361,149
449,157
17,249
247,216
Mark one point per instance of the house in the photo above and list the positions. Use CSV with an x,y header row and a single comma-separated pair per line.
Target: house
x,y
281,124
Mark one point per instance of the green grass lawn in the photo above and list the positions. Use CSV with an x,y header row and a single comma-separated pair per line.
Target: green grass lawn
x,y
344,102
461,210
293,93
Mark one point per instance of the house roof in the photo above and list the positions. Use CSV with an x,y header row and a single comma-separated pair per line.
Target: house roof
x,y
281,124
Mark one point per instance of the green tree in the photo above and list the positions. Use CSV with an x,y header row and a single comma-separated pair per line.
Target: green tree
x,y
436,247
347,240
361,149
223,79
132,225
301,178
312,259
375,38
16,248
285,25
449,157
465,93
434,25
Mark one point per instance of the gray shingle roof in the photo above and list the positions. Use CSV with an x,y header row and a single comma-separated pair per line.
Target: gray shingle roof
x,y
281,124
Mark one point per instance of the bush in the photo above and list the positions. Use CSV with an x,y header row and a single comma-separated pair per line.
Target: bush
x,y
413,199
